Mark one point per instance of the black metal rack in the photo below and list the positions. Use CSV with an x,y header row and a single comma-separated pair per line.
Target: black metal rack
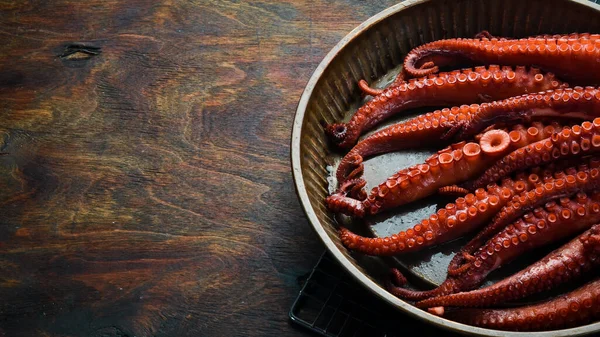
x,y
332,304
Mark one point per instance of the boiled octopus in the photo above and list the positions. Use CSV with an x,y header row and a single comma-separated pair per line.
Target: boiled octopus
x,y
522,157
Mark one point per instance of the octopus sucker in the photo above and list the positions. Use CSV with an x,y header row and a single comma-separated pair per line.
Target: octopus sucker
x,y
446,89
572,60
567,263
554,222
577,307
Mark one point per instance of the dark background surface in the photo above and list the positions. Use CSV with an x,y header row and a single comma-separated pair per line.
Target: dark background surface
x,y
146,189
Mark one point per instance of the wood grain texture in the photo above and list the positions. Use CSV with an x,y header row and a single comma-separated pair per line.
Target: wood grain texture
x,y
146,186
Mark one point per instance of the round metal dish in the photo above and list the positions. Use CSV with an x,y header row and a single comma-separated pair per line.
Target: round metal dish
x,y
372,50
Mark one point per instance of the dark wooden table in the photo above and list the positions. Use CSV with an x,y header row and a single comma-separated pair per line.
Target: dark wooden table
x,y
145,185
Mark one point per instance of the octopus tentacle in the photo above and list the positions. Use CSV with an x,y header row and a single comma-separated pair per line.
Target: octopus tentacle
x,y
460,268
338,202
484,34
567,56
574,308
543,226
458,162
574,103
567,262
448,223
367,90
570,142
448,287
452,88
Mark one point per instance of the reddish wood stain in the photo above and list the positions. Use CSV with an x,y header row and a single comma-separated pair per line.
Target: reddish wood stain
x,y
147,187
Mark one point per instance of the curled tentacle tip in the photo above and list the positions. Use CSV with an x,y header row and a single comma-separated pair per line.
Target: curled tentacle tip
x,y
468,257
339,203
351,185
356,173
353,168
359,194
367,90
429,66
356,167
357,159
459,270
354,187
337,132
357,191
438,311
494,142
424,70
398,278
453,190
